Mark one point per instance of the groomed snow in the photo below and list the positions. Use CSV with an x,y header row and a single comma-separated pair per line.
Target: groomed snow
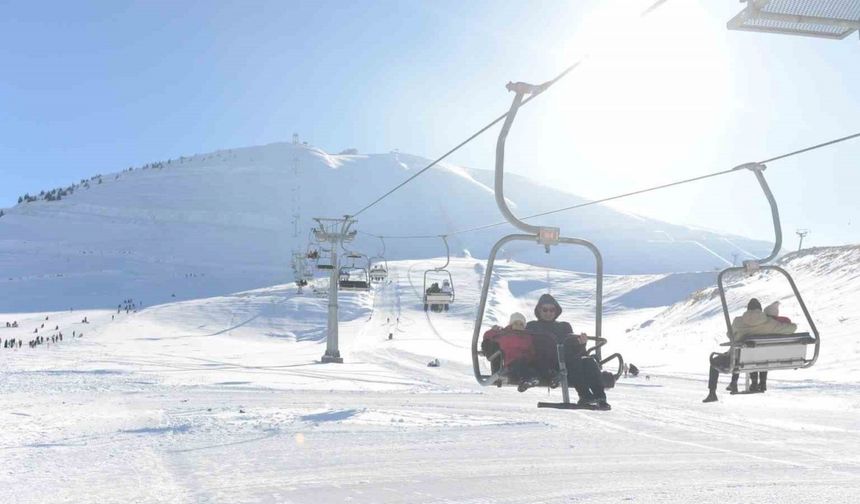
x,y
221,399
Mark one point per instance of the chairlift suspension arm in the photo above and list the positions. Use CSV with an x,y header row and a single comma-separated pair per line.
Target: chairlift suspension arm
x,y
447,253
520,89
758,170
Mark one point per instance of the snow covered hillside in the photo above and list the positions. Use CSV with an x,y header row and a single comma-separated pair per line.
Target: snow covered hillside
x,y
679,337
222,399
221,222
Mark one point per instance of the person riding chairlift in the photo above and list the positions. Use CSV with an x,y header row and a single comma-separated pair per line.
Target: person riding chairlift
x,y
753,321
519,351
446,289
583,371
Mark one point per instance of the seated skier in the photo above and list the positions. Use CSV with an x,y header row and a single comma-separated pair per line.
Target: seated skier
x,y
583,370
753,321
517,352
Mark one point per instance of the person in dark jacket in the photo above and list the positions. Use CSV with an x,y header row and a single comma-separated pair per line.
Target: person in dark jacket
x,y
583,372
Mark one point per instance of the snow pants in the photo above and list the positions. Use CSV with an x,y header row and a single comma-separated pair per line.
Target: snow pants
x,y
583,374
758,378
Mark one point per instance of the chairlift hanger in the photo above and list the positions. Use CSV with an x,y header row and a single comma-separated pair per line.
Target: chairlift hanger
x,y
768,352
545,236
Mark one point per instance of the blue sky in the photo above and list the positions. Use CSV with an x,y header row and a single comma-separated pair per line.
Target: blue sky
x,y
96,87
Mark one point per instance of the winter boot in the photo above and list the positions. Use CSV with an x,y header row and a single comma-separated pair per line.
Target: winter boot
x,y
527,383
712,397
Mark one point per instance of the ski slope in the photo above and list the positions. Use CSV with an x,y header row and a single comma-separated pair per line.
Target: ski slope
x,y
221,399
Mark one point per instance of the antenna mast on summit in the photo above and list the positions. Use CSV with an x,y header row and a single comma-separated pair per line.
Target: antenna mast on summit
x,y
801,233
297,189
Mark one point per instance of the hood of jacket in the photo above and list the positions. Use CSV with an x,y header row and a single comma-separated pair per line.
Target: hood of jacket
x,y
772,309
548,299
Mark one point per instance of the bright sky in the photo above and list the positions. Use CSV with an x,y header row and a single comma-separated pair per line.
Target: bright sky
x,y
93,87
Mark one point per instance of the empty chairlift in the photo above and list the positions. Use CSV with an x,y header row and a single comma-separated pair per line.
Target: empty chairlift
x,y
354,277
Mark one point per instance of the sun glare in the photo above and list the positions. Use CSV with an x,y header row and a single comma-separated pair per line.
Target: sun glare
x,y
649,92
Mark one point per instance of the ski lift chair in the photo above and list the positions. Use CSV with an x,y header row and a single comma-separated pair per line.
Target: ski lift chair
x,y
767,352
352,277
379,269
440,300
324,260
829,19
546,237
378,273
502,374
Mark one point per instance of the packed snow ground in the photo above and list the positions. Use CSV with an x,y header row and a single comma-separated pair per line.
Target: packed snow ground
x,y
222,400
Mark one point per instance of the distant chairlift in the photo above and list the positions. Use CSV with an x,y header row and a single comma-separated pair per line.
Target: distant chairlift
x,y
301,271
546,237
439,297
768,352
352,277
379,266
324,259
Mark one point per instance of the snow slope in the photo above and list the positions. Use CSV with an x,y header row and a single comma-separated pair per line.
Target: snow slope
x,y
222,400
829,280
220,222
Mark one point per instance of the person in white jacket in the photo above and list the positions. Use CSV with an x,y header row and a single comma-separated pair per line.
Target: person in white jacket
x,y
753,321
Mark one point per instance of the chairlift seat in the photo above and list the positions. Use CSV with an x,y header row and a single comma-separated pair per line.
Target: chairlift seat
x,y
768,352
545,357
353,285
442,298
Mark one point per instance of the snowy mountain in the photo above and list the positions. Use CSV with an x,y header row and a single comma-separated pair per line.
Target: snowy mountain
x,y
222,222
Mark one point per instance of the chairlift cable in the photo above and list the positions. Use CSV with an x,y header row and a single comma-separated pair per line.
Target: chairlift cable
x,y
464,142
633,193
502,117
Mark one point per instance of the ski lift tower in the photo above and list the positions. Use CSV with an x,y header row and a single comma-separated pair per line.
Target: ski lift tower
x,y
336,232
829,19
802,234
296,196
